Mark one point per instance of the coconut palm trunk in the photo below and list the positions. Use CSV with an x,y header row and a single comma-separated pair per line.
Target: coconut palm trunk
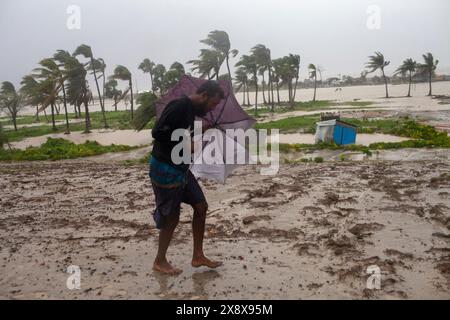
x,y
53,117
263,89
102,106
409,86
248,93
295,88
256,97
271,90
65,108
87,118
278,93
132,104
385,82
315,87
229,72
429,81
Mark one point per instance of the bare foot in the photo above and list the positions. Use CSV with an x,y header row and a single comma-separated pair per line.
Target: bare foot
x,y
166,268
204,261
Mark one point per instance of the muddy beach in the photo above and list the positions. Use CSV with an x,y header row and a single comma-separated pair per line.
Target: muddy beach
x,y
308,232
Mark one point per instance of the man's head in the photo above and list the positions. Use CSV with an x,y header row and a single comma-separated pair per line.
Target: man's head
x,y
207,97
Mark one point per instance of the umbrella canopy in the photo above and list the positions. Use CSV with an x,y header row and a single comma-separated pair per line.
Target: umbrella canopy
x,y
227,115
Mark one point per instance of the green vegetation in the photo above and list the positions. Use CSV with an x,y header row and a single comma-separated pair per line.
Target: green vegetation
x,y
56,149
116,120
307,124
318,159
424,137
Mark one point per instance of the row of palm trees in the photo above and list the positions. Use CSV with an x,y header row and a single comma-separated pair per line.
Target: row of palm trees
x,y
64,78
409,68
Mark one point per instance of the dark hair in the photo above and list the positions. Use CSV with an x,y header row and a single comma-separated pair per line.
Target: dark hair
x,y
212,88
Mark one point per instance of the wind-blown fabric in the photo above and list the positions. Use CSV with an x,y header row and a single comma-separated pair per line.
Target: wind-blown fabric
x,y
227,115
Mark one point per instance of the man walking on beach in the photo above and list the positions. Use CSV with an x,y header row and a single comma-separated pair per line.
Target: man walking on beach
x,y
174,183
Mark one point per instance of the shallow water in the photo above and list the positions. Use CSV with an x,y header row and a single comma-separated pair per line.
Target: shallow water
x,y
104,137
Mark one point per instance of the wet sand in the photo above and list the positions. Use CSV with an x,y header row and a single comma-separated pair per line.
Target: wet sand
x,y
308,232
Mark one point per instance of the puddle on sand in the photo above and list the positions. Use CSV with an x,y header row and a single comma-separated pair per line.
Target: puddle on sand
x,y
104,137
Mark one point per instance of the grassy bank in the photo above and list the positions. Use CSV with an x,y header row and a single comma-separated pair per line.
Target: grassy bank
x,y
57,149
307,124
119,120
424,137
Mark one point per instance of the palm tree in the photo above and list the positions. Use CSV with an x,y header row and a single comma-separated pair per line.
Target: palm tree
x,y
11,101
264,62
249,66
86,51
147,66
100,66
376,62
122,73
62,56
277,71
33,96
208,64
78,92
241,81
408,66
313,75
52,82
294,61
173,75
111,91
158,78
428,67
220,42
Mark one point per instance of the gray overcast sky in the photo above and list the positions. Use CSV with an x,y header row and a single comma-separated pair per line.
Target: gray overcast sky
x,y
329,33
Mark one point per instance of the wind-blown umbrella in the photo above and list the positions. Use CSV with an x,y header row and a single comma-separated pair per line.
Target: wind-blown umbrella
x,y
227,115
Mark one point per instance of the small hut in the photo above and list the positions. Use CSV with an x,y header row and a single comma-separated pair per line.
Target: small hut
x,y
332,130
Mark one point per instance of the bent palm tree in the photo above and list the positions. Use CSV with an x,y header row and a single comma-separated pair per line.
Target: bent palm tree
x,y
33,96
122,73
86,51
408,66
241,81
220,41
147,66
294,60
78,92
112,92
208,64
376,62
264,62
429,67
11,101
52,82
313,75
249,66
